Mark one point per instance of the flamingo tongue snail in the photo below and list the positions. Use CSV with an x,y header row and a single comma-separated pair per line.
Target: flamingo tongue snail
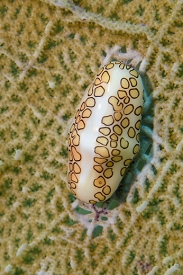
x,y
104,135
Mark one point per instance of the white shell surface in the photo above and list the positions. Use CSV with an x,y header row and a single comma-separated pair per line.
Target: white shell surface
x,y
104,135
